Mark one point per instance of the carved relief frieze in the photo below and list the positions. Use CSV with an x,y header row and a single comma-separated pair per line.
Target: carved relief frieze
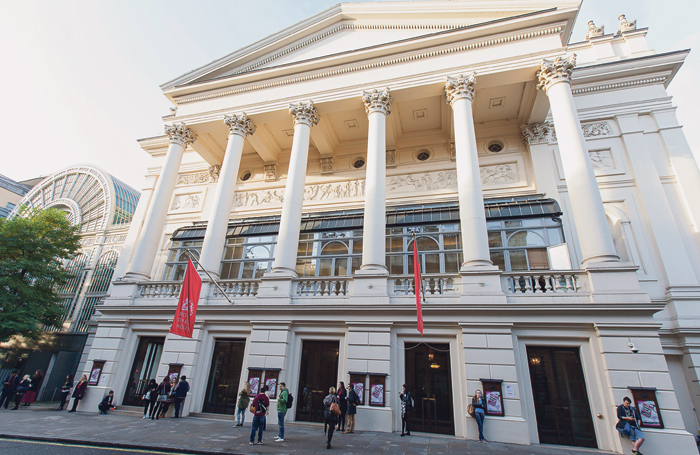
x,y
194,178
499,174
114,239
602,159
270,172
390,158
186,202
597,129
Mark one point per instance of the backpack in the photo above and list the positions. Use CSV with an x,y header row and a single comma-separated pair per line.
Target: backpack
x,y
261,407
290,400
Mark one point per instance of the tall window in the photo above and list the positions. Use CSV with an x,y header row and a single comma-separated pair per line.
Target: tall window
x,y
336,253
522,244
439,248
177,259
248,257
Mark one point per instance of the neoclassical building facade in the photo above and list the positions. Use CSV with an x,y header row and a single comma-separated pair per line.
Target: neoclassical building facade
x,y
547,183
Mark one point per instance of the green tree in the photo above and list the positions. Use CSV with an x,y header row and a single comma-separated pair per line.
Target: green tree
x,y
33,247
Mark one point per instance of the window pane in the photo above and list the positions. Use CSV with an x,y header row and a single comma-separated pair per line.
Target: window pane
x,y
357,246
248,270
168,273
450,241
498,259
555,237
326,267
451,263
301,267
432,263
356,263
334,249
261,269
514,223
341,267
257,252
493,225
179,272
538,259
431,228
450,227
395,244
495,240
396,265
526,238
302,249
230,270
517,260
427,244
532,222
233,252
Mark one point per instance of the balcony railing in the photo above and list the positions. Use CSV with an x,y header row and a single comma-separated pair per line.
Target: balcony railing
x,y
237,288
159,289
432,284
542,282
319,286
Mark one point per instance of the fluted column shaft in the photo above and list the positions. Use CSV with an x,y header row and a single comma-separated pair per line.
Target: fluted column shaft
x,y
586,202
305,117
475,242
149,241
378,106
239,127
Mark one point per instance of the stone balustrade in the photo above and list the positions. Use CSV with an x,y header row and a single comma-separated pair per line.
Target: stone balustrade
x,y
542,282
159,289
320,286
237,288
432,284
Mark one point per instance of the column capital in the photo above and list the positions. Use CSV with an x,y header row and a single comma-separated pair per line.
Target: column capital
x,y
553,71
304,112
377,101
179,133
239,124
460,87
535,133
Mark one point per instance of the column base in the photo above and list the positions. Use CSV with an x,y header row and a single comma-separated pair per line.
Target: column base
x,y
367,287
373,269
136,276
481,284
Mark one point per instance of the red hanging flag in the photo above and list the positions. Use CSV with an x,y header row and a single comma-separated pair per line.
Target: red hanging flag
x,y
418,281
183,324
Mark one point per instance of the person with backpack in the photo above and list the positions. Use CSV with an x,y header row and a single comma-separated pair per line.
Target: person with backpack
x,y
259,407
406,406
353,402
243,400
331,413
282,410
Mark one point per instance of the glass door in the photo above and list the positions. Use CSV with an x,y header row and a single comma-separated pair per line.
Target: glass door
x,y
144,369
224,377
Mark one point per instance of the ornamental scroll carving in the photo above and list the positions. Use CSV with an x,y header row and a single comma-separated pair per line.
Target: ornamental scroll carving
x,y
194,178
377,101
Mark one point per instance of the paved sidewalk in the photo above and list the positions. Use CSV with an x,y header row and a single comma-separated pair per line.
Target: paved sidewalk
x,y
201,435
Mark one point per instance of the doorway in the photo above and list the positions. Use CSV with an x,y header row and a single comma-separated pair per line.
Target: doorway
x,y
429,379
224,377
561,401
144,369
318,373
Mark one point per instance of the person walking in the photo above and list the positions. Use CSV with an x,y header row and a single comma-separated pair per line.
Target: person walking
x,y
259,407
162,393
180,394
343,403
79,392
628,423
243,400
479,404
106,403
9,388
353,401
150,397
330,417
281,410
65,391
34,387
406,406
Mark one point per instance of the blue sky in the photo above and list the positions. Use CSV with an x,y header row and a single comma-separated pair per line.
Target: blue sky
x,y
81,78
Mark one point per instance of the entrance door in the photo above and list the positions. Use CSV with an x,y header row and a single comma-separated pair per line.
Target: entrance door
x,y
561,401
144,369
429,379
224,377
318,373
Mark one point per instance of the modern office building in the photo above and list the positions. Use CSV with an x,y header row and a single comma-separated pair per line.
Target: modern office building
x,y
545,179
11,192
103,207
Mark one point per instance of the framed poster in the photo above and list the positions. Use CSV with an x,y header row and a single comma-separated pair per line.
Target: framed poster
x,y
647,405
376,390
357,381
272,382
254,378
174,370
494,396
96,372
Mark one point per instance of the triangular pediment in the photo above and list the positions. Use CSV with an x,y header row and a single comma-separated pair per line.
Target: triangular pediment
x,y
353,27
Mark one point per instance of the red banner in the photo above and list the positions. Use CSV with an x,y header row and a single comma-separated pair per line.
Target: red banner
x,y
418,281
183,324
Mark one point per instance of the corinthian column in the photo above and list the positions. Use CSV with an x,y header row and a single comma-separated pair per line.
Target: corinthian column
x,y
378,106
147,246
305,117
595,240
239,126
475,242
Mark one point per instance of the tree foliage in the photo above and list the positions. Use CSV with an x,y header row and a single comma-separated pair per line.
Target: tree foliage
x,y
33,247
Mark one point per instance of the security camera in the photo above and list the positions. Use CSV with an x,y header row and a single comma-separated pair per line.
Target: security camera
x,y
633,347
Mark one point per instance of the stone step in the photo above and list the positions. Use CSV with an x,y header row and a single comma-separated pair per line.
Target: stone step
x,y
133,411
211,415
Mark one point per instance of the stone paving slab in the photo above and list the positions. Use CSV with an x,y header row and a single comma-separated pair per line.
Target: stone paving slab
x,y
216,436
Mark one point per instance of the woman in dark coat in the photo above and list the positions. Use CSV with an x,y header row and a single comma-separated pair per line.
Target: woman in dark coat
x,y
79,392
161,406
34,387
330,418
150,397
22,388
343,402
65,391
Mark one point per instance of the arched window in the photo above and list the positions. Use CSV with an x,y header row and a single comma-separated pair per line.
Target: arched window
x,y
99,284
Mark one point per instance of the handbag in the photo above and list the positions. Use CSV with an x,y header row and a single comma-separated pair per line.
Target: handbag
x,y
252,409
162,397
335,409
147,396
470,409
